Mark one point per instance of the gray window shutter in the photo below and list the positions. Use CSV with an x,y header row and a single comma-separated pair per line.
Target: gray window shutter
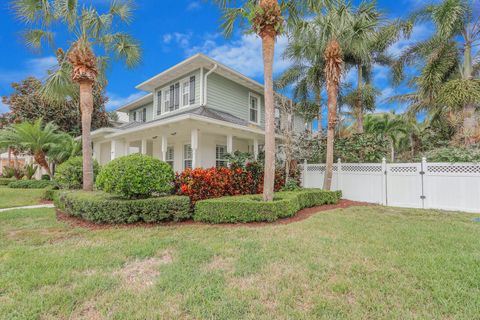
x,y
177,95
144,115
134,115
172,97
192,90
159,102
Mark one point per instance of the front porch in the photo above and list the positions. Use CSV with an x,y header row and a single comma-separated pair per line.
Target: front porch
x,y
183,144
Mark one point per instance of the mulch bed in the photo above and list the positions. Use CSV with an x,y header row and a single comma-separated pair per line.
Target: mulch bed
x,y
299,216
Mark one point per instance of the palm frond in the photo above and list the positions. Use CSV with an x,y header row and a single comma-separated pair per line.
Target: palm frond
x,y
35,37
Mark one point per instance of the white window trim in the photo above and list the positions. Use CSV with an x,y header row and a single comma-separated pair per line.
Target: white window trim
x,y
182,88
165,92
251,94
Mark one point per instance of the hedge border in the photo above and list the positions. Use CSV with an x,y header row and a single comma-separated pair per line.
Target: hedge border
x,y
102,208
6,181
251,208
31,184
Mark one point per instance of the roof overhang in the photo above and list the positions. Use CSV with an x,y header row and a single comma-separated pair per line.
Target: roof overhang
x,y
193,63
148,98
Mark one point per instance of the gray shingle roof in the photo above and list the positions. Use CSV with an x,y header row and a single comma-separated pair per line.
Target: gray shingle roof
x,y
201,111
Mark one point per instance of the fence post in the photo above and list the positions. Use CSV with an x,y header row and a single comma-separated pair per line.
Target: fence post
x,y
304,180
339,174
384,182
424,183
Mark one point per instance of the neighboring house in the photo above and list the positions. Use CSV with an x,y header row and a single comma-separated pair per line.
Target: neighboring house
x,y
193,114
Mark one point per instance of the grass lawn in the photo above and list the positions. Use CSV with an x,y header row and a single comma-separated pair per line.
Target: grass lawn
x,y
358,263
19,197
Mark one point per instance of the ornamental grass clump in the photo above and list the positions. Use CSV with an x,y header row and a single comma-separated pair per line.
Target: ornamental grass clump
x,y
136,176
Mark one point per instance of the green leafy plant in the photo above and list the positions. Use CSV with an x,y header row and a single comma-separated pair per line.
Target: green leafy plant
x,y
101,207
31,184
30,170
45,177
8,172
69,175
250,208
136,176
291,185
453,154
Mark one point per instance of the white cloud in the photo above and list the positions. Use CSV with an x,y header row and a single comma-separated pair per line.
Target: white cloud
x,y
3,107
420,32
243,55
193,5
115,101
180,39
36,67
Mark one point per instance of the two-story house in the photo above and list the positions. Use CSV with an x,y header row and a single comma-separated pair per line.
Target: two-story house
x,y
193,114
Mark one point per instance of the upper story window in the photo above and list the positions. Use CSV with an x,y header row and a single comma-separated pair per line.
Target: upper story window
x,y
254,108
166,100
186,93
176,95
140,115
159,102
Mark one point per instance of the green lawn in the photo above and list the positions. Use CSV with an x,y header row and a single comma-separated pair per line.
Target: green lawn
x,y
357,263
19,197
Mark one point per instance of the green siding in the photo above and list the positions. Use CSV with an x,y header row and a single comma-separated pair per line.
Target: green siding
x,y
228,96
149,111
195,73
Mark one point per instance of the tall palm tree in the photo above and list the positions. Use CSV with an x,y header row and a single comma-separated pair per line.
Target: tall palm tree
x,y
446,56
79,68
332,31
267,19
33,138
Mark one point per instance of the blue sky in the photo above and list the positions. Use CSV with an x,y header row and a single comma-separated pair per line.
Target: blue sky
x,y
170,31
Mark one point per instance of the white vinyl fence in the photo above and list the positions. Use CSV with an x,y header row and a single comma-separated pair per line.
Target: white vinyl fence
x,y
448,186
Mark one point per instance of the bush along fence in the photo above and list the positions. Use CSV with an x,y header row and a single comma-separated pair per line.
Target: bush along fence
x,y
448,186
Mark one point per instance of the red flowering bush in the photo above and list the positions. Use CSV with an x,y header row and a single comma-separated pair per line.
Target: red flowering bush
x,y
200,184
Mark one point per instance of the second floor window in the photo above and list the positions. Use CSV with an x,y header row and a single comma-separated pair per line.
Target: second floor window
x,y
166,100
144,115
186,93
159,102
254,108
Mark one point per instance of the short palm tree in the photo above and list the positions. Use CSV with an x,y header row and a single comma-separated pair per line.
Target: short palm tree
x,y
33,138
388,125
66,148
266,18
79,68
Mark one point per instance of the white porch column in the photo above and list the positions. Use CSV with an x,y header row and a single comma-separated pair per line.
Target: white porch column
x,y
255,148
144,146
194,145
164,148
229,143
117,149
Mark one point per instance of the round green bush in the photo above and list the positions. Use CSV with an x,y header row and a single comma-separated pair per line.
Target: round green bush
x,y
69,175
136,176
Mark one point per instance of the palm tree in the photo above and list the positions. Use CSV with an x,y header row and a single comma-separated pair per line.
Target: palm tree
x,y
266,19
33,138
330,33
388,125
444,57
79,68
66,148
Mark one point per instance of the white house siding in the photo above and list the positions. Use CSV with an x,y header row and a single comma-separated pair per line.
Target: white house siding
x,y
149,107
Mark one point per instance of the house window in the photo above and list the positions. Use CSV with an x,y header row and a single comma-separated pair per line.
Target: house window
x,y
159,102
187,156
166,100
192,90
186,93
134,115
170,156
254,108
177,96
220,153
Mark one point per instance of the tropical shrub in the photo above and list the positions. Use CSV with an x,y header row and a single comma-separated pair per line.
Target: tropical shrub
x,y
291,185
101,207
8,172
45,177
50,193
199,184
69,175
136,176
31,184
453,154
251,208
30,170
6,181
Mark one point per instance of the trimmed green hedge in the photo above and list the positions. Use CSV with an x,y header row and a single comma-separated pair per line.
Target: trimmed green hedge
x,y
100,207
31,184
6,181
251,208
49,194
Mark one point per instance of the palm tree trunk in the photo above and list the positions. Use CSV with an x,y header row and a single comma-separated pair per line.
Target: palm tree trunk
x,y
318,102
392,151
39,157
470,121
359,106
333,58
9,156
86,108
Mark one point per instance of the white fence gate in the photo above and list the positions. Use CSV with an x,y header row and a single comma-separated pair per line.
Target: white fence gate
x,y
413,185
